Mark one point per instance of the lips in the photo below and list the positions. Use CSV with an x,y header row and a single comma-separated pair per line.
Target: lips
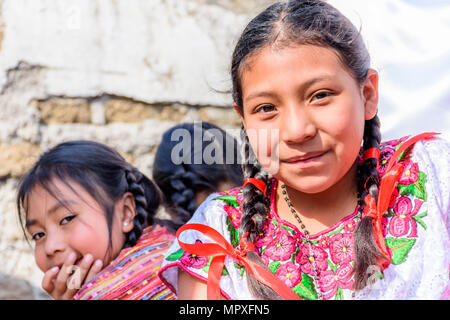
x,y
305,157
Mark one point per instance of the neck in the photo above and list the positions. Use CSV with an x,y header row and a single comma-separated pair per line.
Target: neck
x,y
325,208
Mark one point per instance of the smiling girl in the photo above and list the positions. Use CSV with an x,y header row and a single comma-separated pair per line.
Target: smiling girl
x,y
342,215
91,217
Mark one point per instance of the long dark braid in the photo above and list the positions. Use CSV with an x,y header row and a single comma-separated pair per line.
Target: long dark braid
x,y
137,183
180,181
366,249
254,210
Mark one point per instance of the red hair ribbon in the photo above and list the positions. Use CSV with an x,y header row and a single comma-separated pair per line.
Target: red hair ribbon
x,y
376,209
372,153
222,248
257,183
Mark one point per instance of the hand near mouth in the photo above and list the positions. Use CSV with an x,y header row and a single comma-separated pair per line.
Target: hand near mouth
x,y
62,282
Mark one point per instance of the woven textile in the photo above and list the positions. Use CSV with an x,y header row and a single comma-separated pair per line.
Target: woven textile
x,y
133,274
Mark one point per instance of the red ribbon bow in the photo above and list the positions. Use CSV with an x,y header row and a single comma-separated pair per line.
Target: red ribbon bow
x,y
259,184
377,209
223,248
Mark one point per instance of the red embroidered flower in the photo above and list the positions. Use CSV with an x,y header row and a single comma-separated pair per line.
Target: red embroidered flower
x,y
306,259
411,173
234,214
266,235
341,248
403,221
194,261
282,247
323,242
350,225
330,281
289,273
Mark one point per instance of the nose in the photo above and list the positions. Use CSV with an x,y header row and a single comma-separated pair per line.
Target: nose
x,y
54,243
298,125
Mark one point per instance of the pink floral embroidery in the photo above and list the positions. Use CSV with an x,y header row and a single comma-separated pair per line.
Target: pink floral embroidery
x,y
194,261
329,281
266,235
350,225
306,259
341,248
234,192
289,273
323,242
282,247
385,156
401,224
411,173
234,214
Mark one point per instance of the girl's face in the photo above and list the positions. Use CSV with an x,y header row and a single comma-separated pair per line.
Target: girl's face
x,y
305,97
76,223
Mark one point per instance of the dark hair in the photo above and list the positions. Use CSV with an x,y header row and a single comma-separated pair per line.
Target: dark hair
x,y
312,22
179,179
102,172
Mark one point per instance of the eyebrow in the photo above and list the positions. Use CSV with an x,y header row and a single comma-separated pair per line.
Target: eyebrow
x,y
52,210
303,87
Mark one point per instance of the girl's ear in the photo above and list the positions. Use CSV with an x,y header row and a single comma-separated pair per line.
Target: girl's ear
x,y
239,113
126,207
369,91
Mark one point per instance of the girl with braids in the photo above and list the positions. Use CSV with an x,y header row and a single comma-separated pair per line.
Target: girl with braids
x,y
91,216
187,183
328,210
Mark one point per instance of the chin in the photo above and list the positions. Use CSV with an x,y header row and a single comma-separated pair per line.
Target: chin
x,y
309,185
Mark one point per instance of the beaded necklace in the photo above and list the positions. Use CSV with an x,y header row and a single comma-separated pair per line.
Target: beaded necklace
x,y
307,237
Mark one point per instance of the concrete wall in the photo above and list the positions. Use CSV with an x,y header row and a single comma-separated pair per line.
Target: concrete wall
x,y
115,71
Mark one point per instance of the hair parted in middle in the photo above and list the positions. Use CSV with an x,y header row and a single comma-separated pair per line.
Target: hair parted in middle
x,y
306,22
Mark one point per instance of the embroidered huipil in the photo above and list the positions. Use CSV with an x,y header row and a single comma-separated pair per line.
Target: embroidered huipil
x,y
415,227
133,274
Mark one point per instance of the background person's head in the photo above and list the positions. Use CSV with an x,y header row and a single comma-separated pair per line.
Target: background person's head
x,y
83,197
194,160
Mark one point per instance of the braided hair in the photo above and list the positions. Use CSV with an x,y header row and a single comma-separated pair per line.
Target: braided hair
x,y
179,181
303,22
103,173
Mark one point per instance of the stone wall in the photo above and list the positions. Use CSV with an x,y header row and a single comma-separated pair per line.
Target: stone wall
x,y
116,71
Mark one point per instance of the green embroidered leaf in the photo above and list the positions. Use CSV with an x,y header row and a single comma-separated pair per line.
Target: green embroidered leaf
x,y
273,266
333,267
206,268
338,230
225,271
297,249
418,219
288,229
416,189
305,289
389,214
400,248
234,234
229,200
339,294
274,221
176,255
241,268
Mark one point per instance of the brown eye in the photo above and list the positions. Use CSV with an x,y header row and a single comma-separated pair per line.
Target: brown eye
x,y
37,236
321,95
265,108
66,220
